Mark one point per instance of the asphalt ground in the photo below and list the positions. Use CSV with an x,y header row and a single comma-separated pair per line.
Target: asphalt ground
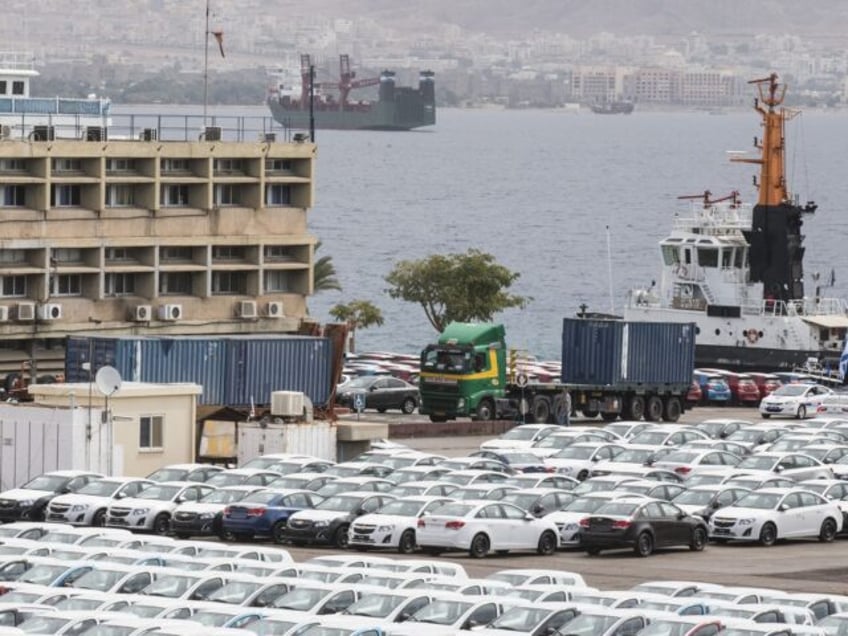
x,y
798,565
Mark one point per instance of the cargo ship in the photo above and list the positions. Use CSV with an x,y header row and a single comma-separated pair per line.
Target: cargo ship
x,y
396,108
736,270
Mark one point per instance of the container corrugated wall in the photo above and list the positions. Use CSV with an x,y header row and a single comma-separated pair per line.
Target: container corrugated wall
x,y
614,351
591,351
233,371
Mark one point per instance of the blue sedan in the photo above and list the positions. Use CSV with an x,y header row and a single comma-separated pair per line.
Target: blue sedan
x,y
265,513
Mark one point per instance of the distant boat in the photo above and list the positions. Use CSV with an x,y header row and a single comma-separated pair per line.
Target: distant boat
x,y
618,107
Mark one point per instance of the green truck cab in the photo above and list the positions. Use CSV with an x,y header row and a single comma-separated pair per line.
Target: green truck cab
x,y
464,373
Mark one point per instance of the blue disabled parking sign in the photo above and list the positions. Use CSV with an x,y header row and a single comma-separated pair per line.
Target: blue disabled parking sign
x,y
359,401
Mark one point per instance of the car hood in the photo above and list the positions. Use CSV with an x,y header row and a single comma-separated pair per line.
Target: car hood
x,y
22,494
564,517
132,502
782,399
319,515
692,509
200,507
386,520
72,500
506,443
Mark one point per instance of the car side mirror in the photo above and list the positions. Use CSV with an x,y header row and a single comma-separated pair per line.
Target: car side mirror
x,y
681,516
783,508
715,505
538,508
778,469
828,460
596,459
529,517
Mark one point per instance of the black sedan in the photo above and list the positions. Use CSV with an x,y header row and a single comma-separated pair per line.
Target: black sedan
x,y
328,522
379,392
642,525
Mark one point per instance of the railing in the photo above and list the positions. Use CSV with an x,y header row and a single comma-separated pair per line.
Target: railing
x,y
718,217
802,307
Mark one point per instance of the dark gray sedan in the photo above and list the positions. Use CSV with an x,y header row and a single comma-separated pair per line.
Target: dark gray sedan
x,y
380,392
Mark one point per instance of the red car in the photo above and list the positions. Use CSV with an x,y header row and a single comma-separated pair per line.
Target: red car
x,y
766,382
743,389
695,394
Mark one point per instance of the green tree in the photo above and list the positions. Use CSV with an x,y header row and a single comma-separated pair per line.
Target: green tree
x,y
358,314
455,287
324,273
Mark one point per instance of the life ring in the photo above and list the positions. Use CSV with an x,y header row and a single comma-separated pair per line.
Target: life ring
x,y
753,335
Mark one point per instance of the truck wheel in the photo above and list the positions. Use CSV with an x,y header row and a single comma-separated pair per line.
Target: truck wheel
x,y
654,409
485,410
609,417
590,413
672,410
541,409
636,407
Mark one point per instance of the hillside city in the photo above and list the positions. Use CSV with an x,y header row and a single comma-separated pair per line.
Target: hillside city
x,y
136,39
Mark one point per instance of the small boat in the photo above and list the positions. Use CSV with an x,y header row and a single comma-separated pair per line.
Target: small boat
x,y
617,107
23,116
736,270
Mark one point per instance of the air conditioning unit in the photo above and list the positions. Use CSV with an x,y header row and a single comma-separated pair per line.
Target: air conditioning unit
x,y
142,313
275,309
50,311
212,133
25,312
148,134
4,313
170,312
246,309
287,403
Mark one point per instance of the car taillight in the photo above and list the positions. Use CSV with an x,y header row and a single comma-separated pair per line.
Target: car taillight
x,y
455,525
584,522
255,512
620,524
549,469
683,470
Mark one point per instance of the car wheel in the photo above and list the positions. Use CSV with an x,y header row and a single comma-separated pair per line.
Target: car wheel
x,y
479,546
438,418
593,551
340,537
644,544
547,543
99,518
161,524
406,545
802,412
765,416
828,531
183,535
226,535
582,475
278,534
768,535
408,406
699,539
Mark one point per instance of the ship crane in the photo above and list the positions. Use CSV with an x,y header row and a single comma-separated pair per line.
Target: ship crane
x,y
705,196
347,81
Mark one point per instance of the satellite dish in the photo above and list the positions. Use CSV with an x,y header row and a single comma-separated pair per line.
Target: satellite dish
x,y
108,380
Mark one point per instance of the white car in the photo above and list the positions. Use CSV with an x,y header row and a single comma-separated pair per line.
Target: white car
x,y
87,506
29,502
523,436
568,519
152,508
795,466
452,612
483,526
578,459
770,514
555,442
633,460
687,462
794,400
393,525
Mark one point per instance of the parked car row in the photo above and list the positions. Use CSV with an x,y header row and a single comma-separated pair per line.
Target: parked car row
x,y
101,582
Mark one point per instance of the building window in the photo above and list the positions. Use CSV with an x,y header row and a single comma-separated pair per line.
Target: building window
x,y
66,285
175,283
175,165
278,253
14,286
4,86
174,195
66,254
119,284
13,257
176,254
12,165
277,194
229,283
150,431
228,166
227,253
276,280
122,254
65,196
120,165
12,196
119,196
67,165
17,88
278,165
226,194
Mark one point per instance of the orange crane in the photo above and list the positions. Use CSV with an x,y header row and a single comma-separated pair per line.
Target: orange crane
x,y
346,81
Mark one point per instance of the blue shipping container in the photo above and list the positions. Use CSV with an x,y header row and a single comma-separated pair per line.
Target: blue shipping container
x,y
233,370
614,351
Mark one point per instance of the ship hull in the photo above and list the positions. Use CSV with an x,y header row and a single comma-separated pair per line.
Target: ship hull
x,y
750,358
380,116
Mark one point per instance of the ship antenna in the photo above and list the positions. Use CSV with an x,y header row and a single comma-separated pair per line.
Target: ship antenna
x,y
609,271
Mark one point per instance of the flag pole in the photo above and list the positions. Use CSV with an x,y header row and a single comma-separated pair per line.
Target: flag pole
x,y
206,65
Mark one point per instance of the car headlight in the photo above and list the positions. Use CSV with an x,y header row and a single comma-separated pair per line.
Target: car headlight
x,y
206,515
139,511
321,524
79,507
26,503
384,528
746,522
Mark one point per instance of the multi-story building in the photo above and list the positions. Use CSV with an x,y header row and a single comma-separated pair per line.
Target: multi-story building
x,y
144,236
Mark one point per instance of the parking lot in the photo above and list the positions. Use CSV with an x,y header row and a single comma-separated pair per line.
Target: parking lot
x,y
801,565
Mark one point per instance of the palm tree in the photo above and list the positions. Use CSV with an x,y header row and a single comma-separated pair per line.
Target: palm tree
x,y
324,273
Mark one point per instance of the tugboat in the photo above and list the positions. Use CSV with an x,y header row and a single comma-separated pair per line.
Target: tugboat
x,y
737,271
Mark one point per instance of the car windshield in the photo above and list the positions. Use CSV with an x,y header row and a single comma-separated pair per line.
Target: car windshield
x,y
694,497
617,509
757,462
791,390
556,441
586,504
43,624
650,438
211,618
50,483
168,474
637,488
342,503
105,629
513,457
224,496
401,508
363,382
594,485
633,456
667,627
343,471
399,461
759,500
222,480
235,592
375,605
100,488
575,452
269,626
171,586
300,598
262,497
42,574
522,500
520,433
99,579
681,457
520,619
159,492
588,625
453,510
441,612
408,491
